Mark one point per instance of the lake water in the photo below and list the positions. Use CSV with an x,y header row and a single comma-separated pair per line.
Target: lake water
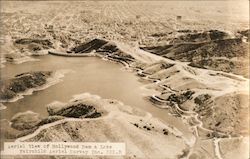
x,y
89,74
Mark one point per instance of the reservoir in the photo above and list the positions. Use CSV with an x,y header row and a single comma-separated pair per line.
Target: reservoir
x,y
88,75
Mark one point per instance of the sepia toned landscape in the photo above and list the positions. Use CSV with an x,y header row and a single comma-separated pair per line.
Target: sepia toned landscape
x,y
170,79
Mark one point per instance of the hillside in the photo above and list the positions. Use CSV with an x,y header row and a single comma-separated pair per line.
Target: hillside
x,y
209,50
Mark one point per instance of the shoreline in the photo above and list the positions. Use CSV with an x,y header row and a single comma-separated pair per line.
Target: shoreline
x,y
184,117
71,54
126,117
55,78
146,77
92,54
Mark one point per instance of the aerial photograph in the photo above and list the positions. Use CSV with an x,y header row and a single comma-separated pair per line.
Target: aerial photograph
x,y
167,79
